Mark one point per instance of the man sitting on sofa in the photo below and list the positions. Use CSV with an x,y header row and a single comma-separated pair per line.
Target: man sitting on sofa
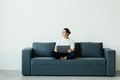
x,y
64,41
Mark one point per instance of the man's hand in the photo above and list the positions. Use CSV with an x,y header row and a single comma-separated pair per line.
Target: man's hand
x,y
70,50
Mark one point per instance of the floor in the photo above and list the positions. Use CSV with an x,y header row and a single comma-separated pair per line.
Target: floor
x,y
16,75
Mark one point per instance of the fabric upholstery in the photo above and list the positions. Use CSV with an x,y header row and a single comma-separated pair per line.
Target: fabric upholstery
x,y
26,61
77,49
78,66
43,49
110,57
49,61
69,70
90,49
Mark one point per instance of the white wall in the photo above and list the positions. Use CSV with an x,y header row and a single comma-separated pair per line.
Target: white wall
x,y
25,21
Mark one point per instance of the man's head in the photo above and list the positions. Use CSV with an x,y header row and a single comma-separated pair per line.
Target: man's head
x,y
66,32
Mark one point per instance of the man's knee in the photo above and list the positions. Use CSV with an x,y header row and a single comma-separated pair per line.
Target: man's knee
x,y
71,55
55,55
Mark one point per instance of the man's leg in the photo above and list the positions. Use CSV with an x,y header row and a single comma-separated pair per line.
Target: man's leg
x,y
55,55
71,55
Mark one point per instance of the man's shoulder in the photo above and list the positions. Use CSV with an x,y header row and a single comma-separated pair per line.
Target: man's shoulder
x,y
71,39
58,40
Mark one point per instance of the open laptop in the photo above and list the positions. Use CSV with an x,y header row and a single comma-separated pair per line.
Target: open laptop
x,y
63,49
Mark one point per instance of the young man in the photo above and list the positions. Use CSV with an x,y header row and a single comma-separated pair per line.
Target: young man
x,y
65,41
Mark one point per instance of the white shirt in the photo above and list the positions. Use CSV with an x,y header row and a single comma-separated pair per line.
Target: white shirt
x,y
66,42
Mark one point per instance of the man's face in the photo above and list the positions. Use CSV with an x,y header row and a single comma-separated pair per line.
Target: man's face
x,y
64,34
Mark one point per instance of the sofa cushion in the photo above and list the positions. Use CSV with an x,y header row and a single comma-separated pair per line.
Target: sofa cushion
x,y
49,61
91,49
39,61
77,49
43,49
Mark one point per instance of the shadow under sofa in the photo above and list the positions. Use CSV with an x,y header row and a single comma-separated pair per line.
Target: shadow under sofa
x,y
91,60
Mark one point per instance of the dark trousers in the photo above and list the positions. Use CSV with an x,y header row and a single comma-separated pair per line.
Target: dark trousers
x,y
58,55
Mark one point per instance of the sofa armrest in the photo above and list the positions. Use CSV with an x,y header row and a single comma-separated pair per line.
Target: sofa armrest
x,y
26,61
110,56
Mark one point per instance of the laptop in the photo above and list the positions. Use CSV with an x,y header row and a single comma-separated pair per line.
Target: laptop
x,y
63,49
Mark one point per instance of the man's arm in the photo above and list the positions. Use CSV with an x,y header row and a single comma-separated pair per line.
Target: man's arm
x,y
55,49
71,50
72,47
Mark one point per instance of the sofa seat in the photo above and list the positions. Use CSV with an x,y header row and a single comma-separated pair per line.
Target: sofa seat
x,y
49,61
77,66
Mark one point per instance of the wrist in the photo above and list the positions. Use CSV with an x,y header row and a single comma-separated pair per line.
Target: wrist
x,y
69,51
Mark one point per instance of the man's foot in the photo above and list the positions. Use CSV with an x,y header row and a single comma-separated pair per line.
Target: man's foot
x,y
63,58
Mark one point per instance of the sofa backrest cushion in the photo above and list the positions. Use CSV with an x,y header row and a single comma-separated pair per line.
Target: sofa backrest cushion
x,y
43,49
91,49
77,49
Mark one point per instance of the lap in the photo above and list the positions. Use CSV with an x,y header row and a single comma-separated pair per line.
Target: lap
x,y
58,55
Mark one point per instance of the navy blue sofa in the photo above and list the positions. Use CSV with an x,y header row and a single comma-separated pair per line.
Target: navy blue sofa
x,y
91,59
